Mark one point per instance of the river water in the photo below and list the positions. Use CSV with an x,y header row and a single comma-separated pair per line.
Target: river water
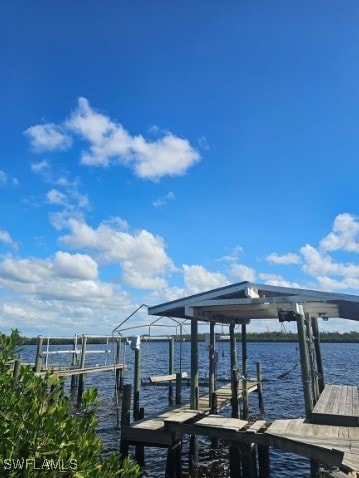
x,y
283,398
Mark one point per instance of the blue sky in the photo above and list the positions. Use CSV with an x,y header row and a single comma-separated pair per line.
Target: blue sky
x,y
152,150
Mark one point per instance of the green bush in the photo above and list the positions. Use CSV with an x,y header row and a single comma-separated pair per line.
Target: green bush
x,y
41,435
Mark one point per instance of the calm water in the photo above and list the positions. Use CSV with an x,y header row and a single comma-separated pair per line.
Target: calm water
x,y
283,398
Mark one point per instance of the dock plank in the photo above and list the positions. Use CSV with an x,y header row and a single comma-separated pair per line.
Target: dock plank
x,y
337,405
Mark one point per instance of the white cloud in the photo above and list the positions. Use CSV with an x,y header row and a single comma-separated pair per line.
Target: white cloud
x,y
319,264
40,166
289,258
6,239
345,234
56,197
140,254
233,255
240,272
78,266
3,178
48,137
110,143
198,279
25,270
163,200
277,280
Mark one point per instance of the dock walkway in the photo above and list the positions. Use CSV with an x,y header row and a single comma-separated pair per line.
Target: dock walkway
x,y
67,372
153,431
337,405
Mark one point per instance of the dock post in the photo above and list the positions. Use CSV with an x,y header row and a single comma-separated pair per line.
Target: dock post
x,y
234,460
178,388
260,388
173,463
38,360
82,365
74,378
318,354
16,371
193,446
193,453
194,364
249,469
212,363
137,384
245,370
171,369
234,372
118,361
304,360
125,417
263,461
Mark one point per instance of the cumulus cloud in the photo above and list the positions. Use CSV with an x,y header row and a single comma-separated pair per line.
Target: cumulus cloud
x,y
277,280
109,143
289,258
318,263
6,239
48,137
345,234
56,197
35,271
240,272
198,279
78,266
141,255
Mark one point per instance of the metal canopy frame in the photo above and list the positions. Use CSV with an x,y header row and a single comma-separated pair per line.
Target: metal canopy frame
x,y
245,301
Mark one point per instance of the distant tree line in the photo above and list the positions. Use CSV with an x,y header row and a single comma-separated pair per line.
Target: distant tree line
x,y
275,336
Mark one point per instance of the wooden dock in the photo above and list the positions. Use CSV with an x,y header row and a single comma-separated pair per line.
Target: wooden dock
x,y
331,444
337,405
154,430
67,372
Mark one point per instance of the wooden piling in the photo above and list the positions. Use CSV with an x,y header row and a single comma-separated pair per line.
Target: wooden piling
x,y
260,388
82,365
234,372
16,371
137,385
244,370
312,359
304,360
263,461
248,461
234,460
212,362
318,354
178,388
118,380
171,369
173,463
193,446
194,364
193,453
38,360
74,362
125,416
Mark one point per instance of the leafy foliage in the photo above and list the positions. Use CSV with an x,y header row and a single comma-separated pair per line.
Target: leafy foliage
x,y
39,434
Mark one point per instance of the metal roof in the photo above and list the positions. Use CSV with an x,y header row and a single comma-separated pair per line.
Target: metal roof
x,y
246,300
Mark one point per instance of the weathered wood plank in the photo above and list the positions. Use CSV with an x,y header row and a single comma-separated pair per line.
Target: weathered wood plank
x,y
166,378
337,405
